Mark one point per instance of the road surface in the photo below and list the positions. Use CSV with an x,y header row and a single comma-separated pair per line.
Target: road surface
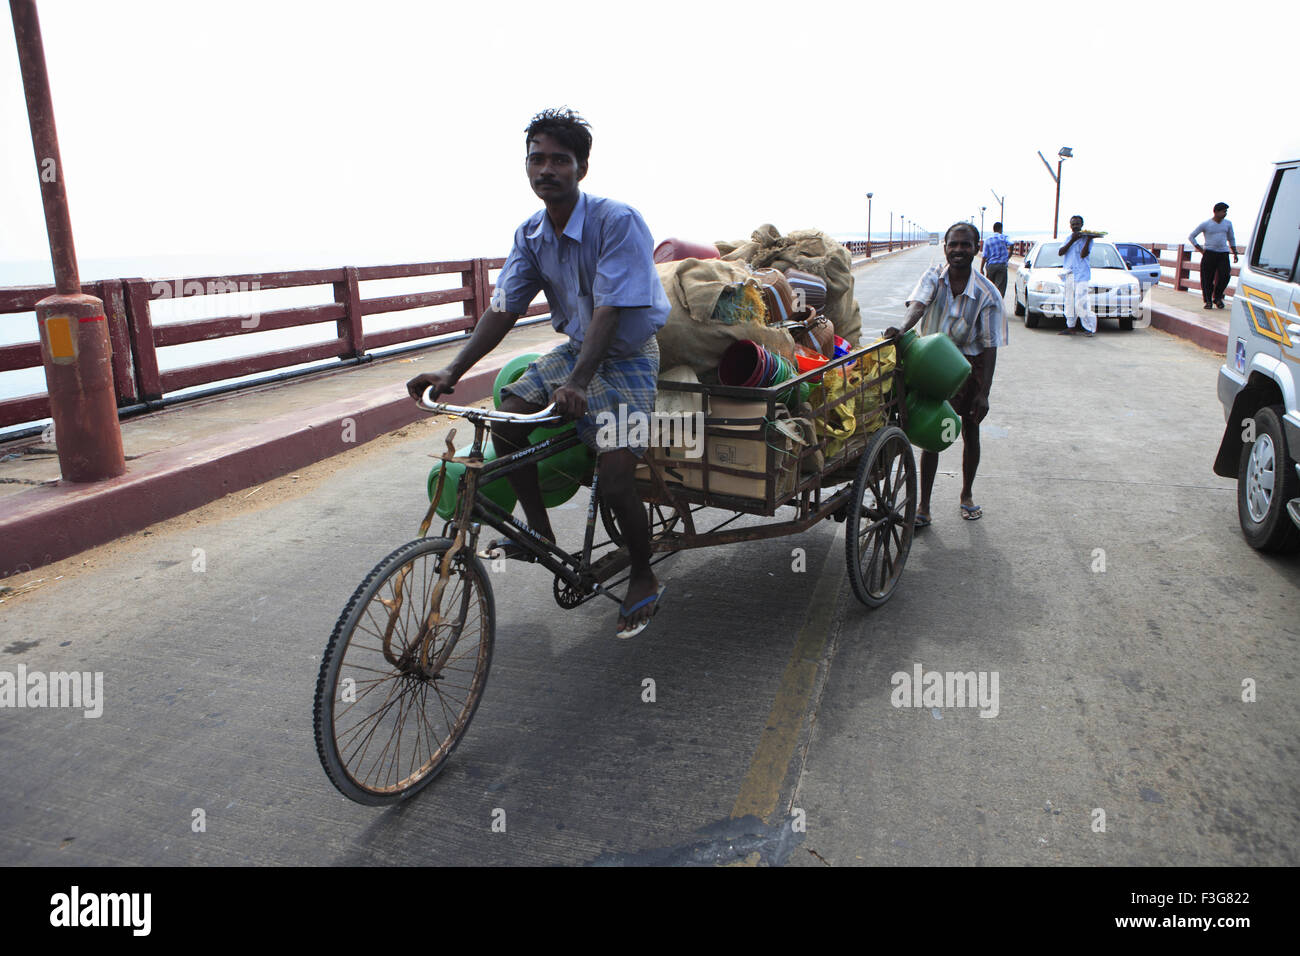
x,y
1107,588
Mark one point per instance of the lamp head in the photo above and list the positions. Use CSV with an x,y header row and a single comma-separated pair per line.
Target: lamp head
x,y
1065,152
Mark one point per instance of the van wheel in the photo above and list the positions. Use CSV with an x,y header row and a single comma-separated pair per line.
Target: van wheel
x,y
1266,481
1020,309
1031,318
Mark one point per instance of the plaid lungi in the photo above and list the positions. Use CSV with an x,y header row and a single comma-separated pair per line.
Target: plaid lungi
x,y
620,388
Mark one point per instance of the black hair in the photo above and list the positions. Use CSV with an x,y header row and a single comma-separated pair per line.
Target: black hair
x,y
566,127
1220,205
974,233
1080,218
997,227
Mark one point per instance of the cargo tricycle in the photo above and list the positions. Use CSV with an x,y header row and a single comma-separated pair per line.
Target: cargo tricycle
x,y
407,663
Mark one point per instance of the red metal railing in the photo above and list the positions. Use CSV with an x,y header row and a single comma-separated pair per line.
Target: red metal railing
x,y
136,337
858,247
1176,269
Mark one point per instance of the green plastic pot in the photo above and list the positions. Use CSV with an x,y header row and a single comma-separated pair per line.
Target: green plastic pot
x,y
932,365
559,476
929,420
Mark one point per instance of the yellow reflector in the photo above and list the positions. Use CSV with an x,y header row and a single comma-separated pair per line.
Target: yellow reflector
x,y
58,329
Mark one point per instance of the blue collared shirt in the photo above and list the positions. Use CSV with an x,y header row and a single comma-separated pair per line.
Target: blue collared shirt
x,y
996,250
604,257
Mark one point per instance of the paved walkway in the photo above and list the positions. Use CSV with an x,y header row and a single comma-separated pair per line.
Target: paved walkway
x,y
188,455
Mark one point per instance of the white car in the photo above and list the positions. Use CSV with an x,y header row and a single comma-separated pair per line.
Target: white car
x,y
1116,293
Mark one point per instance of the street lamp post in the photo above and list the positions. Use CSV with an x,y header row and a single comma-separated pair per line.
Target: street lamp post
x,y
1002,210
982,208
868,225
1064,153
891,230
74,341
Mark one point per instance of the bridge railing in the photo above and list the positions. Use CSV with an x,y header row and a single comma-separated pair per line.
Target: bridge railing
x,y
1180,267
858,247
137,333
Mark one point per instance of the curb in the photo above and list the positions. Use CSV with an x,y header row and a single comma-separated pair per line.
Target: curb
x,y
867,260
54,522
1188,326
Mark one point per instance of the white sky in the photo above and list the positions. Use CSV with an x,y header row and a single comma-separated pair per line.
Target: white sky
x,y
392,131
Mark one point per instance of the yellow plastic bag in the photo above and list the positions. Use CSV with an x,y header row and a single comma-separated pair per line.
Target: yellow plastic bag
x,y
871,414
861,414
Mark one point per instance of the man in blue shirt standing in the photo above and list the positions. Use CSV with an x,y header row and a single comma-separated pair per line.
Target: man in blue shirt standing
x,y
593,259
1077,275
997,254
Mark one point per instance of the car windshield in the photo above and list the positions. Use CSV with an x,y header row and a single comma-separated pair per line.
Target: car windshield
x,y
1102,256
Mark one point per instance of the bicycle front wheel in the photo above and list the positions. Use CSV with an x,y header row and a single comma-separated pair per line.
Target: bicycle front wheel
x,y
404,672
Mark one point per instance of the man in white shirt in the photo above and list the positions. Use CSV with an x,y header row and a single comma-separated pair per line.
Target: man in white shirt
x,y
1077,275
1215,270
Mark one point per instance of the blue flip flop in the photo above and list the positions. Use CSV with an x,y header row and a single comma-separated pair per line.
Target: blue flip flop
x,y
623,613
972,512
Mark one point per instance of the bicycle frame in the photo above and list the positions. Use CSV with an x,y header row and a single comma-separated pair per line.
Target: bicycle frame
x,y
474,509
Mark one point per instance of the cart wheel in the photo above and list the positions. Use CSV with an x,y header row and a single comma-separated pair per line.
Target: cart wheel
x,y
663,519
881,516
396,690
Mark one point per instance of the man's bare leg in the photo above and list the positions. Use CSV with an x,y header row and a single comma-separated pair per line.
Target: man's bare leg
x,y
508,437
617,470
929,468
970,459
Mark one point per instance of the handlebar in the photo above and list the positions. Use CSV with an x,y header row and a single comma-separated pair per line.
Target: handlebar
x,y
486,414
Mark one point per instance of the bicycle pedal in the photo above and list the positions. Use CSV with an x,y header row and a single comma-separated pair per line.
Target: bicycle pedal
x,y
510,553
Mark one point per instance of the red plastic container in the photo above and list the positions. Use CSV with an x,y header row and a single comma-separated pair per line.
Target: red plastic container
x,y
807,359
674,250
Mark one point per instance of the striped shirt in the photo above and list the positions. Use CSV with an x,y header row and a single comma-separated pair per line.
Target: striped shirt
x,y
997,251
974,320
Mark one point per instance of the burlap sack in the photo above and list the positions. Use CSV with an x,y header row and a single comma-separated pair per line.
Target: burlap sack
x,y
691,336
808,250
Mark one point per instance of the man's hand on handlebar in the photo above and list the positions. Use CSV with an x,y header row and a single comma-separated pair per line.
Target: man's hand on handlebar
x,y
570,401
441,381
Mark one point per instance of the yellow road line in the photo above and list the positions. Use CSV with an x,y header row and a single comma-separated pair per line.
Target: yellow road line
x,y
767,768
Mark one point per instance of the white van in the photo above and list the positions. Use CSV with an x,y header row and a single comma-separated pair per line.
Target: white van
x,y
1260,373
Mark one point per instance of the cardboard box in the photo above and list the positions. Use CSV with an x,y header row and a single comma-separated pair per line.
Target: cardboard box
x,y
751,448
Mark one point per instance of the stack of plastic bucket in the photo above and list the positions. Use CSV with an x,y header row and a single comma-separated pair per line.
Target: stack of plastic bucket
x,y
748,365
560,476
933,370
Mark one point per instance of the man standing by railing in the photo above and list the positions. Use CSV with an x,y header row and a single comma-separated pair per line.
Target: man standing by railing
x,y
593,258
997,253
1215,270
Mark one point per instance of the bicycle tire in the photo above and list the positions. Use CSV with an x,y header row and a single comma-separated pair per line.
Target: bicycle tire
x,y
467,592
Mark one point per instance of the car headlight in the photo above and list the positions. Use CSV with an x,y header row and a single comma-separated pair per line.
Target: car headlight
x,y
1043,285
